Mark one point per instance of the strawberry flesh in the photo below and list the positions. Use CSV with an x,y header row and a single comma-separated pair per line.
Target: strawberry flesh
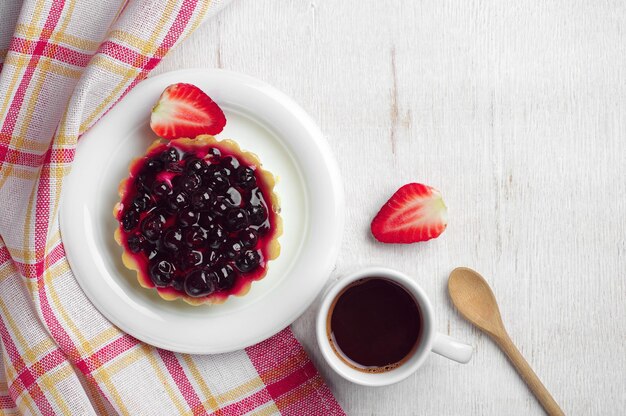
x,y
414,213
184,110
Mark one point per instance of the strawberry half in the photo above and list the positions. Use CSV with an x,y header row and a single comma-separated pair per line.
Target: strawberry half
x,y
414,213
184,110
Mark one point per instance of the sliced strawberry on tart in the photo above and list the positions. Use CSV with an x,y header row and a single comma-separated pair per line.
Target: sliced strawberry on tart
x,y
184,110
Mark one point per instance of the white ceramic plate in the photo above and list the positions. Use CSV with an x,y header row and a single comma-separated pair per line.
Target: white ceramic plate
x,y
289,144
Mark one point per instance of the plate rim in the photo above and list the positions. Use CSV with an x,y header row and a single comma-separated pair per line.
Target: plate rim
x,y
315,133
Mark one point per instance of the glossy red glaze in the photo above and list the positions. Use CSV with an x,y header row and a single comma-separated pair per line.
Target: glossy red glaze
x,y
268,231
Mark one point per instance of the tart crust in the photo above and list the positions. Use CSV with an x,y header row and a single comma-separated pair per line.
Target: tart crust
x,y
273,246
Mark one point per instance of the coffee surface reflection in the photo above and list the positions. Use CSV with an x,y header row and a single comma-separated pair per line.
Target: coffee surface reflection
x,y
374,325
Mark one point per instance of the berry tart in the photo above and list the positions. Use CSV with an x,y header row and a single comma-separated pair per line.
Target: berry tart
x,y
198,219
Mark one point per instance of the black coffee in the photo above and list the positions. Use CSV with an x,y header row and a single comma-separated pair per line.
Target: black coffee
x,y
374,325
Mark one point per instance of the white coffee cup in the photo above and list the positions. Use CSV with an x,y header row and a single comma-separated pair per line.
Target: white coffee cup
x,y
430,340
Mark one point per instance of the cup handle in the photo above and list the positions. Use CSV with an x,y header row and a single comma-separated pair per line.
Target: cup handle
x,y
452,348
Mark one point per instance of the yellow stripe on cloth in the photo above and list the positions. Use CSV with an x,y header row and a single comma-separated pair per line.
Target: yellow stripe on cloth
x,y
41,75
19,254
22,399
195,373
146,51
144,352
32,354
29,32
269,409
240,391
50,381
18,63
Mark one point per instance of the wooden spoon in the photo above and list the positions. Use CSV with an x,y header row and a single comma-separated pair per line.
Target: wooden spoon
x,y
474,299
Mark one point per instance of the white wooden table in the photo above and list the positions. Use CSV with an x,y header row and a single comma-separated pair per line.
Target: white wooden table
x,y
516,111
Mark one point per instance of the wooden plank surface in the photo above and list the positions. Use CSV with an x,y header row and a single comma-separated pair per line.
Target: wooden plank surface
x,y
516,111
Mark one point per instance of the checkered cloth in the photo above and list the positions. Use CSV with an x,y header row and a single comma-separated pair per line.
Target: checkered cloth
x,y
63,64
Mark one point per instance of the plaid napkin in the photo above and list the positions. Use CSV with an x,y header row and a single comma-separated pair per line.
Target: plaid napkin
x,y
63,64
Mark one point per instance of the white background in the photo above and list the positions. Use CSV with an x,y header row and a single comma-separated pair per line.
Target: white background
x,y
516,111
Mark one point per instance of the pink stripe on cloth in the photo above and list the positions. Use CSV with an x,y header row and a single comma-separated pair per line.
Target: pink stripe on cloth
x,y
29,270
184,14
106,353
25,377
50,361
272,354
122,53
55,13
292,381
57,52
7,403
5,256
182,381
245,405
182,19
29,159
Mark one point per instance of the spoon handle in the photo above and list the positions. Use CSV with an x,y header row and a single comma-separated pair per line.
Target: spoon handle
x,y
523,368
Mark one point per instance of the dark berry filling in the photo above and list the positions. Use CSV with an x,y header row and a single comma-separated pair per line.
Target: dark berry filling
x,y
197,221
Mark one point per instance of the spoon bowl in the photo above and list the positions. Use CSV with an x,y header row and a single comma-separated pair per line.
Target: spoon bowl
x,y
475,300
